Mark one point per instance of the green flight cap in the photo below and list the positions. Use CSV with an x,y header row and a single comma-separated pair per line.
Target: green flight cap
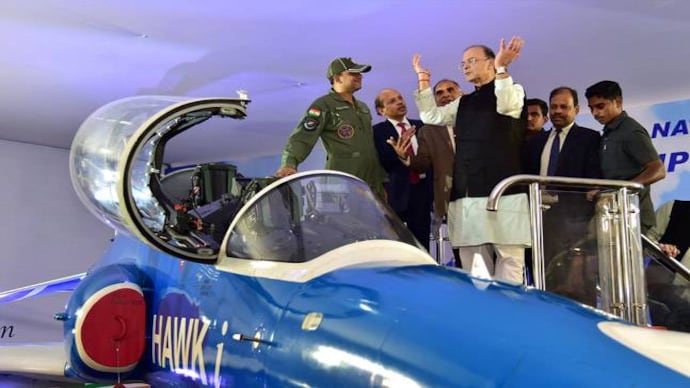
x,y
345,64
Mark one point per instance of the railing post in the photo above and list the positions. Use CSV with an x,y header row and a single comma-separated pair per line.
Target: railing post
x,y
621,268
624,260
437,241
608,247
635,256
537,231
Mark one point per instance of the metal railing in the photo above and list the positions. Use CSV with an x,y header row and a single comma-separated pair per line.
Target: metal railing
x,y
622,283
670,263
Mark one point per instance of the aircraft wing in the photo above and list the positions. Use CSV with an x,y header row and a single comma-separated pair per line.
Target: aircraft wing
x,y
66,284
40,361
44,362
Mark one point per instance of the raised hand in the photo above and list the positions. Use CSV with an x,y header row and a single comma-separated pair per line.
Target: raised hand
x,y
417,65
507,53
401,144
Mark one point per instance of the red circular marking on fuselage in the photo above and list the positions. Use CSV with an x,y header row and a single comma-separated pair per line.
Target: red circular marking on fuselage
x,y
118,314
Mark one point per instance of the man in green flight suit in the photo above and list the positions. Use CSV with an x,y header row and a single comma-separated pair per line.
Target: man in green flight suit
x,y
344,126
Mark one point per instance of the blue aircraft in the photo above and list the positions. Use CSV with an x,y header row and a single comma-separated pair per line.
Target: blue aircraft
x,y
303,281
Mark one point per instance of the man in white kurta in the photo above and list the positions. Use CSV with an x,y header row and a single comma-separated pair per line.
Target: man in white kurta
x,y
489,131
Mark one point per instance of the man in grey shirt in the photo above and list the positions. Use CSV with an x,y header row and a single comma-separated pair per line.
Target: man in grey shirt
x,y
627,152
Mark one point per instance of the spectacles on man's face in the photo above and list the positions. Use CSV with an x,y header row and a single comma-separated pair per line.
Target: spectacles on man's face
x,y
471,61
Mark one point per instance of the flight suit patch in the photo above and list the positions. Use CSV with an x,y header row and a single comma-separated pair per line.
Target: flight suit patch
x,y
313,112
310,124
346,131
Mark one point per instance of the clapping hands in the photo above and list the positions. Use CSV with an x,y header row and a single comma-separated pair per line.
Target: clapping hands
x,y
507,53
401,144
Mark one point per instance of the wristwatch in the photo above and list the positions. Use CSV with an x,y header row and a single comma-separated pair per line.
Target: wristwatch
x,y
501,70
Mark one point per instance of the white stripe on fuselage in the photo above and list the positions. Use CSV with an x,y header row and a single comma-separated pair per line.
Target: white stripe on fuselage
x,y
371,253
669,348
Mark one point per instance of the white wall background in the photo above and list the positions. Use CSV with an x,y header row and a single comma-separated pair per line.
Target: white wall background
x,y
45,233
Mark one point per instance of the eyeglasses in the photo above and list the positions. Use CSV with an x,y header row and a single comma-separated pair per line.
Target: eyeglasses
x,y
471,61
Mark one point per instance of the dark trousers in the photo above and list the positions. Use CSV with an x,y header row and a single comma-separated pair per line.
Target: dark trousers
x,y
417,216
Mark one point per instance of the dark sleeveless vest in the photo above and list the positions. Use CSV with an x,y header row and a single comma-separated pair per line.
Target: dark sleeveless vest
x,y
677,232
487,144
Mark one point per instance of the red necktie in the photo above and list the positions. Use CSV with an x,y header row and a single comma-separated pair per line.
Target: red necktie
x,y
414,177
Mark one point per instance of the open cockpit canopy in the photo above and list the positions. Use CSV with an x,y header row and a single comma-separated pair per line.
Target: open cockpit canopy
x,y
118,170
117,163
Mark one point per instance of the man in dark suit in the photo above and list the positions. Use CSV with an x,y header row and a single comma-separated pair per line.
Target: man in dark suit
x,y
409,193
436,150
567,150
578,155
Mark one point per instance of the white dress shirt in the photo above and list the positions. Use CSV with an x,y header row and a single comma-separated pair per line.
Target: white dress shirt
x,y
546,152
